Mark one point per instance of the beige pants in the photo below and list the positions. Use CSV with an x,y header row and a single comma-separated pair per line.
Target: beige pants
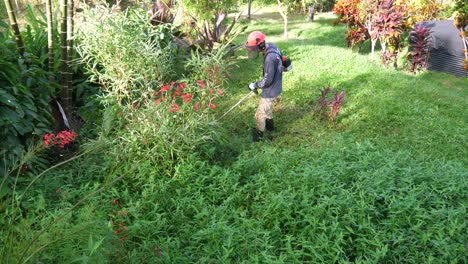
x,y
264,111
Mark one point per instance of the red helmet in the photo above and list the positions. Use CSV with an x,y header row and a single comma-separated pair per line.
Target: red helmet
x,y
255,38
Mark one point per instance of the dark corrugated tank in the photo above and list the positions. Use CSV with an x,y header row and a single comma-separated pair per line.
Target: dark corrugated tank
x,y
446,53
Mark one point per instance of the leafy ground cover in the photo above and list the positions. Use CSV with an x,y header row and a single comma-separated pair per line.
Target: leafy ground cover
x,y
385,183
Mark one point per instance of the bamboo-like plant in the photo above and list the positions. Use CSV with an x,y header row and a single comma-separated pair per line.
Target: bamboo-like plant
x,y
70,25
50,38
64,75
15,27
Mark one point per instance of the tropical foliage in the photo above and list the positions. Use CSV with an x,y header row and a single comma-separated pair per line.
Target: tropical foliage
x,y
25,97
153,176
386,21
418,54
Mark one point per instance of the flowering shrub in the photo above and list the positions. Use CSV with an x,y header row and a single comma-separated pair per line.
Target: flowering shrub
x,y
198,96
168,121
61,139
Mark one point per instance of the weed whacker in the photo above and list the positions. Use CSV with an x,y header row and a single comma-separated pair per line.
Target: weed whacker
x,y
234,106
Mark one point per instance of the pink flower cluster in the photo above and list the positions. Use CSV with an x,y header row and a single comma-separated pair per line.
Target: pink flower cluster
x,y
62,138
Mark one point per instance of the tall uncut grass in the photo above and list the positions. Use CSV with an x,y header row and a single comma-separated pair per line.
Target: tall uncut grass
x,y
386,183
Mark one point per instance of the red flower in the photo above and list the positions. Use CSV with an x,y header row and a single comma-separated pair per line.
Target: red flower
x,y
178,93
182,86
165,88
220,91
174,108
62,138
157,100
49,139
187,98
211,91
197,106
213,106
201,83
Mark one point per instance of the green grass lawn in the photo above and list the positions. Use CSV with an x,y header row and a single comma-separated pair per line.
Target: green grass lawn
x,y
385,184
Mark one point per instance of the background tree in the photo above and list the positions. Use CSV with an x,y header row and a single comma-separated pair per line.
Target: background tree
x,y
284,8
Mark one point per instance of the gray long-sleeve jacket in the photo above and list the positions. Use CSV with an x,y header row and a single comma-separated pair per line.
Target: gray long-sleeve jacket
x,y
272,82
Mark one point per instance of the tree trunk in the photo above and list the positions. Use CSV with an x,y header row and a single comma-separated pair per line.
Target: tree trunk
x,y
285,18
14,27
248,9
50,35
373,43
70,25
65,94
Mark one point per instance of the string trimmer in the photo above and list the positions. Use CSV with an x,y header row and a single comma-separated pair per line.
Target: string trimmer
x,y
235,105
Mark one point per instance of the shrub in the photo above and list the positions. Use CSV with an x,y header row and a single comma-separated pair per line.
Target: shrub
x,y
125,53
389,26
329,103
419,48
155,111
24,102
349,13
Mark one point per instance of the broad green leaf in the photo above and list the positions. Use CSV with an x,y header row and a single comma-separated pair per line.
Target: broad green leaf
x,y
8,99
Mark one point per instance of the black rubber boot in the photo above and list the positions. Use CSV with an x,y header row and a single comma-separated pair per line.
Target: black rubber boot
x,y
269,125
257,135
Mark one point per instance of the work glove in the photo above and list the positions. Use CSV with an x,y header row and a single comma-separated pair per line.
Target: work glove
x,y
253,88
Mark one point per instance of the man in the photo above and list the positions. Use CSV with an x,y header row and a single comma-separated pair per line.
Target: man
x,y
271,84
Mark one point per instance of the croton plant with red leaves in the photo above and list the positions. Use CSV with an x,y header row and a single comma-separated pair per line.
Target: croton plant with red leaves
x,y
418,54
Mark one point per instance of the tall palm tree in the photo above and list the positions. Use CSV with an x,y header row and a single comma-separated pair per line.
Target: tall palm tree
x,y
15,27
